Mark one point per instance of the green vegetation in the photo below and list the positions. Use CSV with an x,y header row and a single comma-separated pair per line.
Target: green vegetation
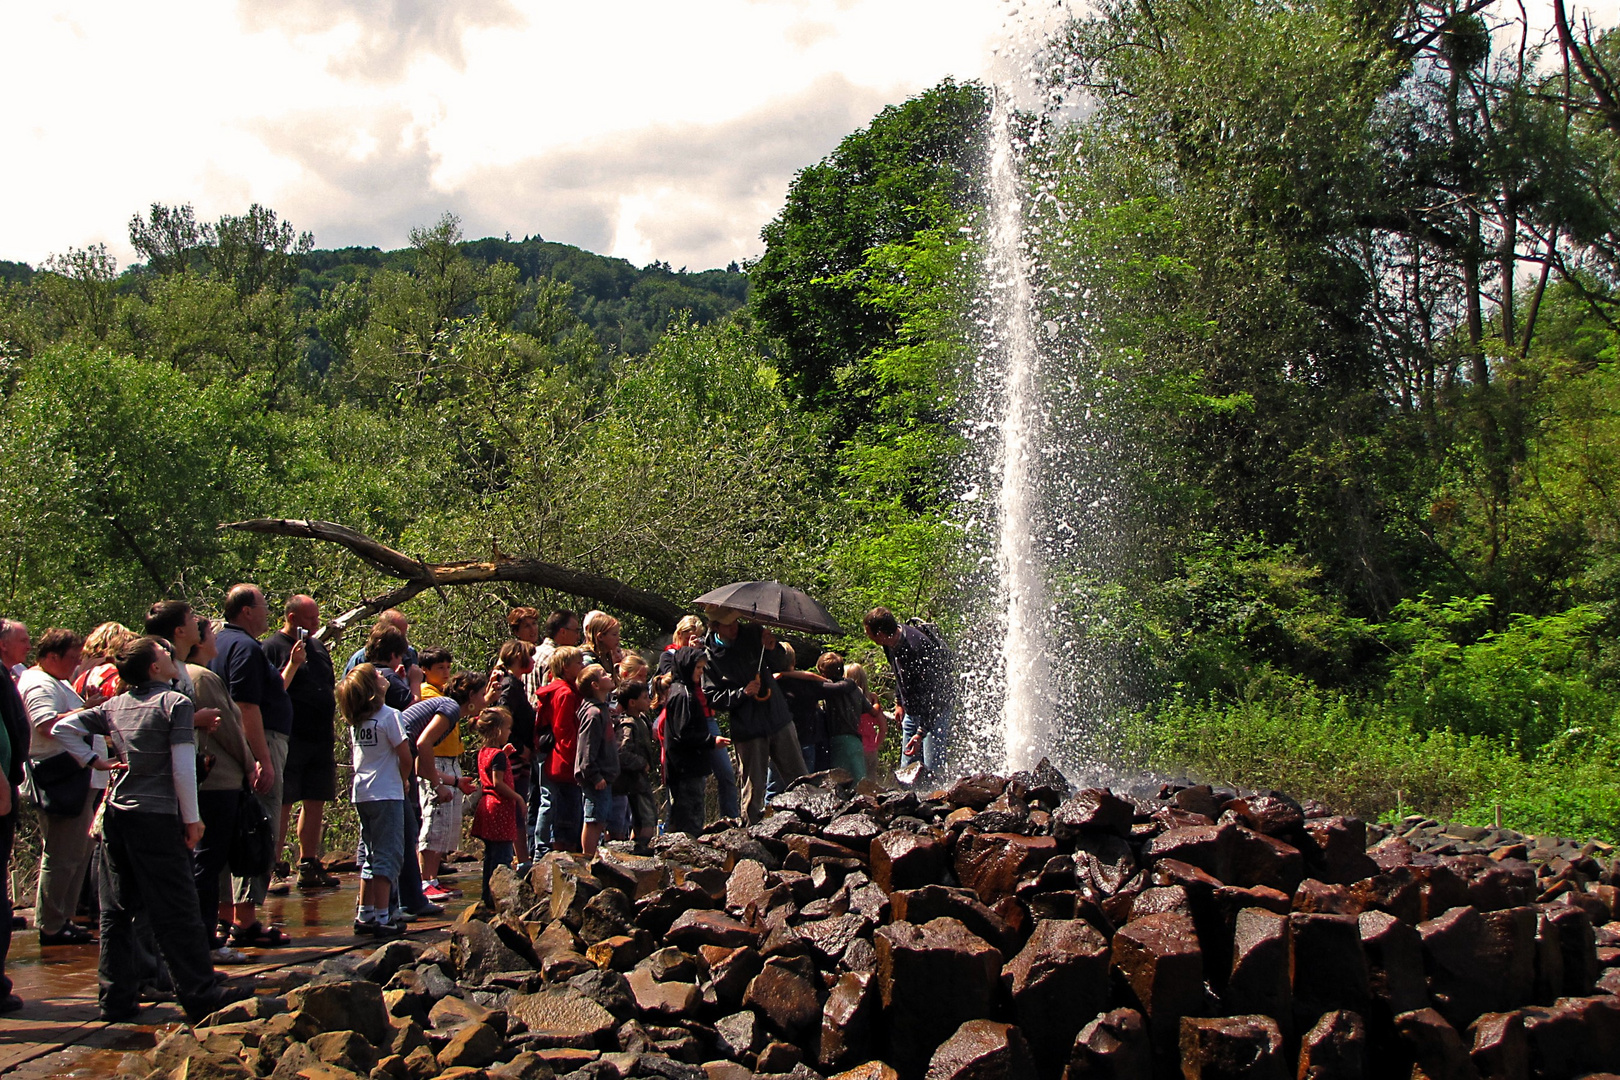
x,y
1336,280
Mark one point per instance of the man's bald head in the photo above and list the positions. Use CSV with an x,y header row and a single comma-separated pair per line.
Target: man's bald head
x,y
396,618
302,612
245,607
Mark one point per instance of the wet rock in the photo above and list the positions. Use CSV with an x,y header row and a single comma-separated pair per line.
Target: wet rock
x,y
829,939
692,929
1335,1049
1397,891
977,791
561,1017
670,963
1330,969
740,1036
607,914
778,1057
731,970
748,882
1394,953
1058,984
572,887
1232,1048
355,1005
847,1020
1257,859
1315,897
1163,967
1501,1050
662,999
1103,861
1508,957
1434,1046
932,978
621,952
991,864
384,962
1577,947
1338,851
854,831
478,953
982,1050
1260,976
785,997
941,902
1093,810
1208,847
1455,966
1268,812
1114,1046
906,860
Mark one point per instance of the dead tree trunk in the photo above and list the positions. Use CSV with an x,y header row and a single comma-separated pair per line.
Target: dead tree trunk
x,y
419,576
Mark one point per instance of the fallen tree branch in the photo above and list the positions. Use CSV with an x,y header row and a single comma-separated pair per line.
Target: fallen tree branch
x,y
418,576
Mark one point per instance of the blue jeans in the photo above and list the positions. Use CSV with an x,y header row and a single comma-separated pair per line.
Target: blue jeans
x,y
539,811
408,889
496,853
725,777
934,743
597,804
564,816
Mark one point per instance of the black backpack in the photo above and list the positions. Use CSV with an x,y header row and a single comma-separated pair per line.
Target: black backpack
x,y
941,655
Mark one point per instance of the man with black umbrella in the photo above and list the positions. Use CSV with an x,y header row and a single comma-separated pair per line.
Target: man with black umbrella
x,y
740,679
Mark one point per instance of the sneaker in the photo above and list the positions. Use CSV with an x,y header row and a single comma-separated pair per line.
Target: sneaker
x,y
386,931
124,1015
437,893
401,916
429,910
279,883
312,875
226,956
365,927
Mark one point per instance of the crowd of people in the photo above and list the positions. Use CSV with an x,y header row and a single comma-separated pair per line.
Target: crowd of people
x,y
169,760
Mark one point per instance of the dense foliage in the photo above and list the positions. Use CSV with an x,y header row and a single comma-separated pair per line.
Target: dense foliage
x,y
1335,281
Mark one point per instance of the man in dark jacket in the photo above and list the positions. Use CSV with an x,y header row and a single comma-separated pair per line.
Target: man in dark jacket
x,y
740,679
923,686
15,735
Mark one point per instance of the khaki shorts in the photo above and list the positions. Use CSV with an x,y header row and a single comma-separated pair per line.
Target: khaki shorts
x,y
441,822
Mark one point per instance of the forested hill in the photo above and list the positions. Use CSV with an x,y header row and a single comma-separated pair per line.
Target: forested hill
x,y
625,307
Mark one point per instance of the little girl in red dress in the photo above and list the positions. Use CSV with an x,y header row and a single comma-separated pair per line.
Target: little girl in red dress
x,y
495,822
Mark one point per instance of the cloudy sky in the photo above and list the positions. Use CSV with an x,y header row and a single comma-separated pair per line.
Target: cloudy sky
x,y
665,129
641,128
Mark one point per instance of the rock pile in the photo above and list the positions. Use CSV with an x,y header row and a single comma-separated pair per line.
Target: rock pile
x,y
1001,929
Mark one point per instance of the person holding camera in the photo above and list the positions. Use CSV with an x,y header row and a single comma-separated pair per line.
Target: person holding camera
x,y
310,774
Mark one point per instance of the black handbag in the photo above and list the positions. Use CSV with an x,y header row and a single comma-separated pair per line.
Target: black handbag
x,y
59,785
255,839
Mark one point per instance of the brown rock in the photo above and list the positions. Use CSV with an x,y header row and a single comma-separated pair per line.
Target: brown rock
x,y
694,928
942,902
829,939
785,997
982,1050
1058,984
932,979
853,831
665,999
1397,891
748,882
1114,1046
528,1065
906,860
478,953
473,1046
871,1070
1103,861
1577,947
1508,957
637,876
1330,969
1268,812
355,1005
1335,1049
1314,897
991,863
778,1057
1258,859
1163,967
452,1012
1338,855
1394,954
1232,1048
1501,1051
977,791
1093,810
1260,979
562,1016
1208,847
621,952
731,970
847,1020
1457,972
1434,1046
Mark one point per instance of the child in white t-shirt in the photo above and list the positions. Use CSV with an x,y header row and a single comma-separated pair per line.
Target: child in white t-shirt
x,y
383,765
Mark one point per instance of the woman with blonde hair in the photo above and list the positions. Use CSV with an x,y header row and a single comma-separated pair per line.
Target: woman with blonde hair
x,y
601,644
97,677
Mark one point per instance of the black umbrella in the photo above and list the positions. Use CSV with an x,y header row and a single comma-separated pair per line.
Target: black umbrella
x,y
773,603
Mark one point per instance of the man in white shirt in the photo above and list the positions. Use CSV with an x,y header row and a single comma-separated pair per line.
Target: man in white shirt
x,y
68,847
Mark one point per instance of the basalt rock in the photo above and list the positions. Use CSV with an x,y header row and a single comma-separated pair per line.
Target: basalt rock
x,y
1232,1048
982,1050
1058,983
1115,1046
1163,969
1335,1049
932,978
906,860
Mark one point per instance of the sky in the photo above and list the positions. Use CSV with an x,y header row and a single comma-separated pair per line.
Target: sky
x,y
647,129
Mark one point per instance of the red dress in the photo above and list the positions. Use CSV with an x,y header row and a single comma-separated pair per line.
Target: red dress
x,y
495,818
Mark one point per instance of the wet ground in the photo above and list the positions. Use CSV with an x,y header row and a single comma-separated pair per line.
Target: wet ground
x,y
57,1033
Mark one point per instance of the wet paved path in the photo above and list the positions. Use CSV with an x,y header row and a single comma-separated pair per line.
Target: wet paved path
x,y
57,1033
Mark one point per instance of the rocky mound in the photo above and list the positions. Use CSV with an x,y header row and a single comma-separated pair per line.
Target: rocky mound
x,y
1001,929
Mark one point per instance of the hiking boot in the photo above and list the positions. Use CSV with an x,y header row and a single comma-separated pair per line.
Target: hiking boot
x,y
312,875
279,885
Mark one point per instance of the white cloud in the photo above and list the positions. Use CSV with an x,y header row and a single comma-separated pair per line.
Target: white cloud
x,y
641,128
